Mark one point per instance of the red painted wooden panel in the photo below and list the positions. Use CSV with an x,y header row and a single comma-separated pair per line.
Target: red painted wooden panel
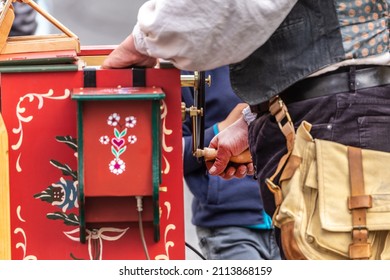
x,y
41,122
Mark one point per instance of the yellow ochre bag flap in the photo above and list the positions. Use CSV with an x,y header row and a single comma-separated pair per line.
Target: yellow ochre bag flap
x,y
334,190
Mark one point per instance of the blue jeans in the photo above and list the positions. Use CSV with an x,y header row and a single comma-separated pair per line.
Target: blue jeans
x,y
237,243
360,118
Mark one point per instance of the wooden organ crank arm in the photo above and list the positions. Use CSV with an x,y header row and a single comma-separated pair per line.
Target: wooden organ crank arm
x,y
210,154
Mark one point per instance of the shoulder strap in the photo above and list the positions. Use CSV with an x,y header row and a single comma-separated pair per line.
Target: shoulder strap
x,y
358,203
279,110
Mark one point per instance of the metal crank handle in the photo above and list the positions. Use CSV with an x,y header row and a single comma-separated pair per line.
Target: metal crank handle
x,y
210,154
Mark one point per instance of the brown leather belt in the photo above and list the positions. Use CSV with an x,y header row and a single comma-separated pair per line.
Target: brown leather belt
x,y
346,79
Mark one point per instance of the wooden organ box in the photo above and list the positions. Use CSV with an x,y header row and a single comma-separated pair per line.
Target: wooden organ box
x,y
129,144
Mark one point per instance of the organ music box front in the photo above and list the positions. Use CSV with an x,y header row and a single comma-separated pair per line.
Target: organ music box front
x,y
90,159
119,155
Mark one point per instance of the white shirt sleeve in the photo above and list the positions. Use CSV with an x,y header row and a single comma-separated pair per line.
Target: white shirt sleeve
x,y
202,35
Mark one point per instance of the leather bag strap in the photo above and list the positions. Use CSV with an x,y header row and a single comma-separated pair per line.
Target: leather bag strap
x,y
279,110
358,203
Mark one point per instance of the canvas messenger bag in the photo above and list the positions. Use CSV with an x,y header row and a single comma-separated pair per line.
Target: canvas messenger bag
x,y
333,201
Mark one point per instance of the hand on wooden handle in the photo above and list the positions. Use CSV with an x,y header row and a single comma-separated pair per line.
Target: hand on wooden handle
x,y
210,154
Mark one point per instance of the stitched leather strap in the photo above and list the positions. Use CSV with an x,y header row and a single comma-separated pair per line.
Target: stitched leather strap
x,y
358,203
279,110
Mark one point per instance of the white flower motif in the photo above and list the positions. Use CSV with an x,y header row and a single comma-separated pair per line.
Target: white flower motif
x,y
100,235
104,140
131,121
113,119
117,166
132,139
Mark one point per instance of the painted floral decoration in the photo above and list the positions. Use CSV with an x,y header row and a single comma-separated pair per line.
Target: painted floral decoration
x,y
119,141
63,193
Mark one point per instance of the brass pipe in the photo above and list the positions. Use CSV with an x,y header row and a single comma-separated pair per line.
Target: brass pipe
x,y
187,80
193,80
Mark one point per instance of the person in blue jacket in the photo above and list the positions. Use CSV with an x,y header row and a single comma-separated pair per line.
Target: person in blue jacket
x,y
230,221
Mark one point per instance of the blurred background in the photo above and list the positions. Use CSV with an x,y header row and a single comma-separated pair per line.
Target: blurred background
x,y
102,22
95,22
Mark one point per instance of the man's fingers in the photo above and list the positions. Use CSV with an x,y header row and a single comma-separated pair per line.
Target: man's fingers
x,y
219,165
251,169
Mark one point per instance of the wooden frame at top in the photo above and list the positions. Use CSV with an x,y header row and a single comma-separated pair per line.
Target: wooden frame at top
x,y
4,5
7,17
33,43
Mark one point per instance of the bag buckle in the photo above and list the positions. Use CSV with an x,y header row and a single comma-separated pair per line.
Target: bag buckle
x,y
360,248
279,110
359,234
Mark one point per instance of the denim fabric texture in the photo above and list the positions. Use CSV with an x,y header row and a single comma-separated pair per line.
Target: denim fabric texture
x,y
237,243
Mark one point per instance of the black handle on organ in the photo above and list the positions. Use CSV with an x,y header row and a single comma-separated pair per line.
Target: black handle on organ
x,y
199,98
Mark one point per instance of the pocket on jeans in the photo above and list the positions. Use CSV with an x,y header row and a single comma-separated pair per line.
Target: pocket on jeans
x,y
322,131
374,132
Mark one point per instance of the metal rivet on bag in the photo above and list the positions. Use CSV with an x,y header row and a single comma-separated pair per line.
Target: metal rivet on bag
x,y
310,239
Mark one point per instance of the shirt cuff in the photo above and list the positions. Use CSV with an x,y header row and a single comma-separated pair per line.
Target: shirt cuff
x,y
139,40
215,129
249,117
